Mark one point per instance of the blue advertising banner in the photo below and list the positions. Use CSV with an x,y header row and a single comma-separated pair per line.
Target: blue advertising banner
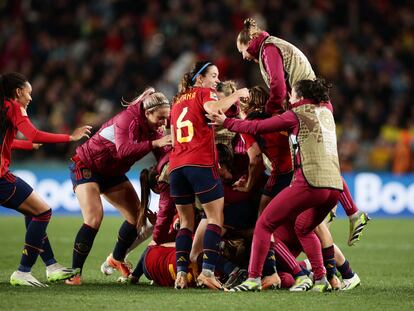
x,y
379,194
382,194
55,187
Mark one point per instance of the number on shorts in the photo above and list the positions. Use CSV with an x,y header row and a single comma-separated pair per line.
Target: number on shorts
x,y
181,124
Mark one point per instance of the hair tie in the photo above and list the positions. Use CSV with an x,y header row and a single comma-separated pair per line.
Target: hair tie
x,y
200,71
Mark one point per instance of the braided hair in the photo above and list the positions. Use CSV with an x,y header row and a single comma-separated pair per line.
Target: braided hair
x,y
8,85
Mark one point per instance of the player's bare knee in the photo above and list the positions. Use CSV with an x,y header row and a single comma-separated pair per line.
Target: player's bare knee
x,y
94,221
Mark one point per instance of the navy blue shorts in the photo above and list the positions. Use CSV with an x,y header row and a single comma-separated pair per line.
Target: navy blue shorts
x,y
80,174
188,181
277,183
13,191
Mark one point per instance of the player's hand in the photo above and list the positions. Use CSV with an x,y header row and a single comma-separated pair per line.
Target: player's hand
x,y
36,146
151,216
241,185
243,93
163,141
218,118
81,132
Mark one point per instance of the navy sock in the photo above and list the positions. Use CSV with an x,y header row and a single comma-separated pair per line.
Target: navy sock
x,y
306,271
269,266
126,236
300,273
47,255
139,269
211,246
35,232
83,244
345,270
329,262
183,243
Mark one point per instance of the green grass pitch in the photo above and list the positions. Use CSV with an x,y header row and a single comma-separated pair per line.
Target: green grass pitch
x,y
384,260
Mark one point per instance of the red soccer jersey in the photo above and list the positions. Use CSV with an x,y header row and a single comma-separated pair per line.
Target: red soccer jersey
x,y
17,120
193,137
160,264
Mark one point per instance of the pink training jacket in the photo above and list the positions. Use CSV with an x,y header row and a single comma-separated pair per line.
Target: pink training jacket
x,y
120,142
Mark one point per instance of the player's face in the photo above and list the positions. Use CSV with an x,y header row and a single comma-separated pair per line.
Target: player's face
x,y
24,95
211,78
158,118
294,97
243,51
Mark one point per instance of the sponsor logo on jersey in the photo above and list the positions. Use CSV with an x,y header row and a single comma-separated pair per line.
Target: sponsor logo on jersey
x,y
213,95
23,111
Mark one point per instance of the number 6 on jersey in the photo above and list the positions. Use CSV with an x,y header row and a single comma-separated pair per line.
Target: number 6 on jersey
x,y
182,124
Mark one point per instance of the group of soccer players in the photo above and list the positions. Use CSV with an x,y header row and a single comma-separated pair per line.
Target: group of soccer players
x,y
231,214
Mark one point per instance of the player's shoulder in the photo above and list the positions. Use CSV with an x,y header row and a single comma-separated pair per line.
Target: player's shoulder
x,y
9,103
14,108
208,94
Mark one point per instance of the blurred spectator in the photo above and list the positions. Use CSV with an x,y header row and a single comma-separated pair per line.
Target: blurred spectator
x,y
402,161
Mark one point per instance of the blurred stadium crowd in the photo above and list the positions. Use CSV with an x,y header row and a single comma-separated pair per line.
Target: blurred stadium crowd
x,y
82,57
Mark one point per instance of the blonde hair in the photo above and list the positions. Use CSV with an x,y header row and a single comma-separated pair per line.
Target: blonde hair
x,y
150,99
227,87
250,30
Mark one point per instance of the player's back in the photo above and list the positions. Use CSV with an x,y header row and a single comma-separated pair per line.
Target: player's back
x,y
276,147
161,267
193,137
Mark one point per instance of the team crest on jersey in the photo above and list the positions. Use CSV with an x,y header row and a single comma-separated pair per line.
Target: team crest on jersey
x,y
213,95
86,173
23,111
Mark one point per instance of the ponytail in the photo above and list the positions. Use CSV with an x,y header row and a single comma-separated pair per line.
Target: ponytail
x,y
249,31
147,92
189,78
150,100
145,198
8,85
